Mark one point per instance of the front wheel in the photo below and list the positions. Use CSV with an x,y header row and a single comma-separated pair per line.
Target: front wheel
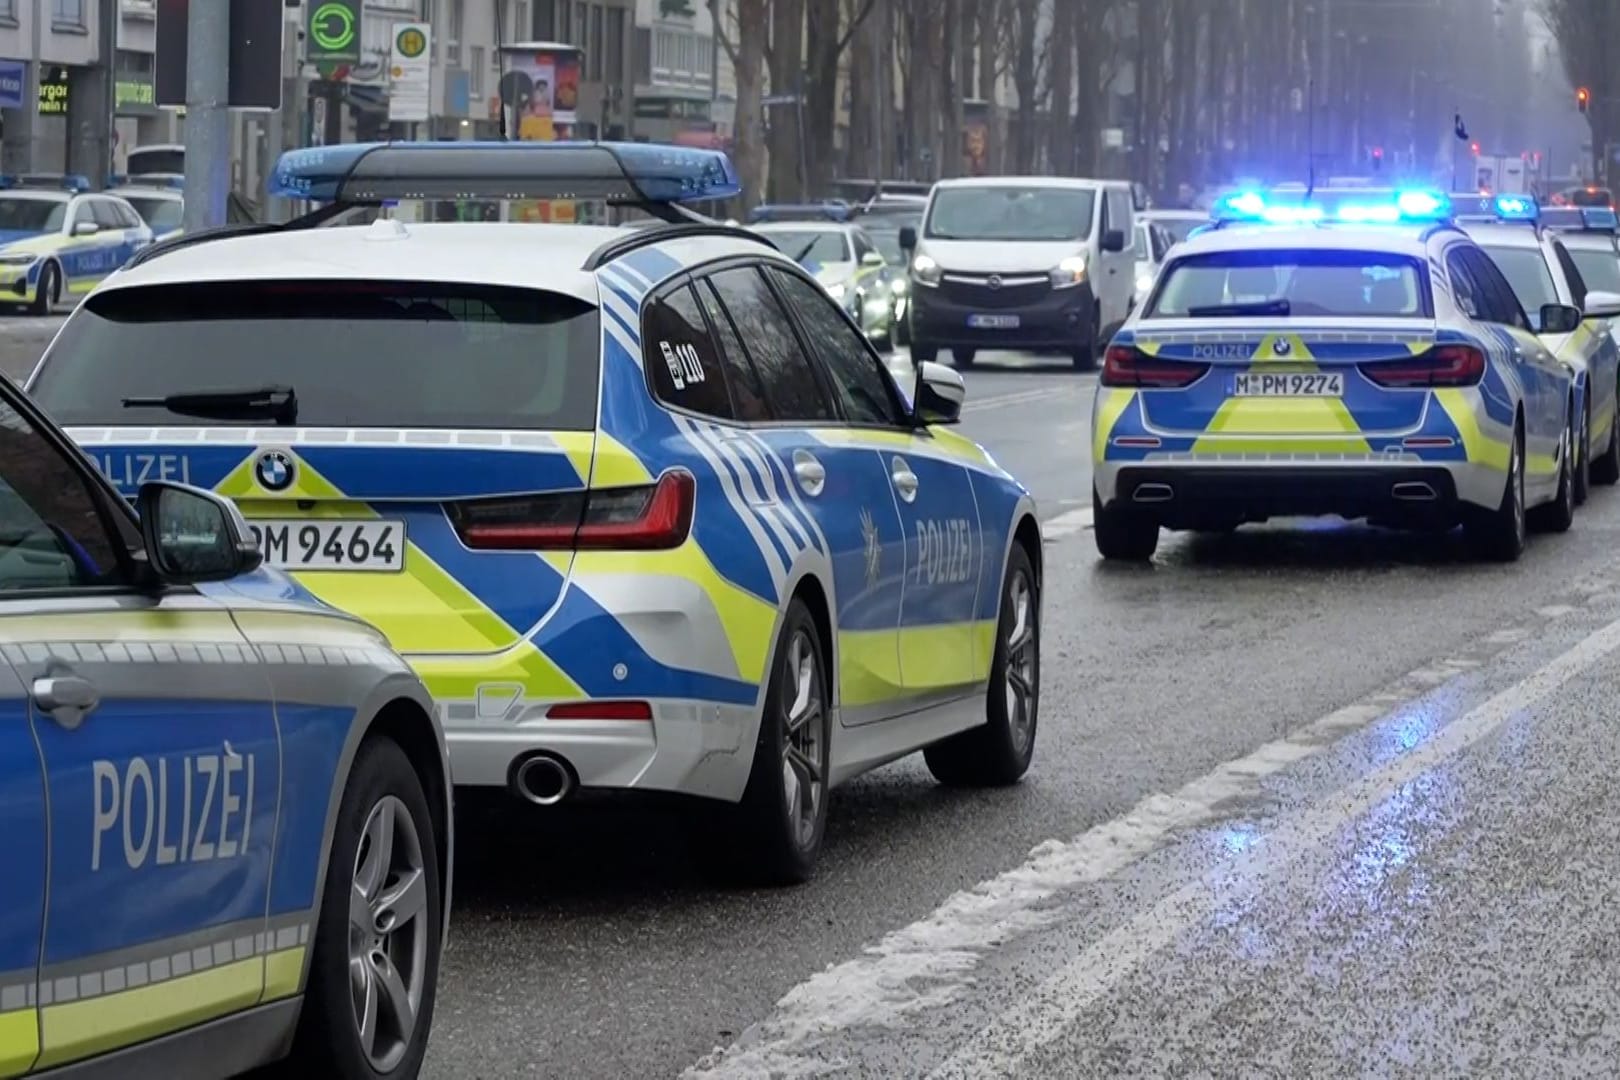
x,y
1606,466
1121,533
999,753
369,1003
49,291
963,358
1085,357
922,353
1583,455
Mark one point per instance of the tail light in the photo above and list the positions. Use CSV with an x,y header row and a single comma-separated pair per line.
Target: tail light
x,y
1447,365
1126,366
657,516
600,710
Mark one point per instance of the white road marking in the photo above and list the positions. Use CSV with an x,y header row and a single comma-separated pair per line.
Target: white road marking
x,y
930,963
1067,524
1043,1014
1021,397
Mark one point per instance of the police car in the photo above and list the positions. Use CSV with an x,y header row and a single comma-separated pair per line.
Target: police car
x,y
1350,354
641,506
59,239
227,809
1571,319
161,206
849,266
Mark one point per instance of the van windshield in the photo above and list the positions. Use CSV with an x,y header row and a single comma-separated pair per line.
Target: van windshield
x,y
1011,213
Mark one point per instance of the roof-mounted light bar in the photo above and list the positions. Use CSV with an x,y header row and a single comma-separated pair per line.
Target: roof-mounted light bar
x,y
1352,206
74,182
1594,219
370,174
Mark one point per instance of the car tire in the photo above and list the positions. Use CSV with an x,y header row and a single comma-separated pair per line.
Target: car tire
x,y
1606,467
49,293
382,845
1122,534
1499,534
1583,455
771,837
923,354
998,754
902,332
963,358
1558,515
1085,357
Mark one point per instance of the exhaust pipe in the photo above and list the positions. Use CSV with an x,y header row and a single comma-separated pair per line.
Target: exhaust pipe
x,y
543,780
1413,491
1153,493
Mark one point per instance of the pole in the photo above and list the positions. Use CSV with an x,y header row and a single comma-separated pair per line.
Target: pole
x,y
208,130
106,125
37,78
1327,67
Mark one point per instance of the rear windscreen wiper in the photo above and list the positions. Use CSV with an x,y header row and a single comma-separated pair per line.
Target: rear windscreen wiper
x,y
1276,306
277,403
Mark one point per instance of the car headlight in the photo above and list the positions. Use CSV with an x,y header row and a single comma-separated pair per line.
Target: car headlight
x,y
925,270
18,260
836,290
1069,272
1144,282
899,286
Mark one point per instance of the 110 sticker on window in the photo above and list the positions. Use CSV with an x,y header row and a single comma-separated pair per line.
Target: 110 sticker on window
x,y
684,365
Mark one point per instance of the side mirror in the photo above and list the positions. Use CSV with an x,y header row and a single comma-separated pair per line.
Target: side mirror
x,y
908,238
1602,305
940,393
873,258
1113,240
86,228
1560,318
194,536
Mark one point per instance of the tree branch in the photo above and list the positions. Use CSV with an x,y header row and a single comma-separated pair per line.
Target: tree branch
x,y
854,24
718,18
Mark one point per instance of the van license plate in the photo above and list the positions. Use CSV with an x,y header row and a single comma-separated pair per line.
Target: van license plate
x,y
1296,384
993,322
332,545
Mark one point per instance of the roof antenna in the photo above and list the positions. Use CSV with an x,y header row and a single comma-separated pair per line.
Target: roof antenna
x,y
500,65
1310,140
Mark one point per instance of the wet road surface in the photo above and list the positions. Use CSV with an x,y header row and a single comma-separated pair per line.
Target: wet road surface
x,y
1307,800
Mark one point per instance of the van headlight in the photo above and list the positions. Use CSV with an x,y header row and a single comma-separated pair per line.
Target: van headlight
x,y
1144,282
925,270
1069,273
836,290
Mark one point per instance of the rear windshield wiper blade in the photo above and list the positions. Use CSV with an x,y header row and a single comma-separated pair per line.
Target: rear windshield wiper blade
x,y
277,403
1277,306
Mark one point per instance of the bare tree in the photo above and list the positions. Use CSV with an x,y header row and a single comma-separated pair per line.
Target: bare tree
x,y
746,46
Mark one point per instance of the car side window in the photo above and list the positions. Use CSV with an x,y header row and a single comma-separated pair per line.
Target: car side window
x,y
80,211
862,387
747,395
1464,289
105,214
1119,210
785,372
1572,274
682,357
52,535
1501,302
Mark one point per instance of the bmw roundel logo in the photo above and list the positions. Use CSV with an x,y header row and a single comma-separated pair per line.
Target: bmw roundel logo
x,y
1281,347
275,470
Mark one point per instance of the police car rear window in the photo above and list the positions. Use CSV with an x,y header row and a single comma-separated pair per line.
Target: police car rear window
x,y
356,354
1336,284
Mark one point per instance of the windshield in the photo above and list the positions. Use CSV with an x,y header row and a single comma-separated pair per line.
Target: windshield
x,y
811,246
1179,228
161,214
1600,269
1339,283
18,214
887,241
357,354
1011,213
1526,271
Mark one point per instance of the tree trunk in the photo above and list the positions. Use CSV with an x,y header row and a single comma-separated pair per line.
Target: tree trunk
x,y
1060,77
748,142
987,39
1025,83
787,68
951,161
823,26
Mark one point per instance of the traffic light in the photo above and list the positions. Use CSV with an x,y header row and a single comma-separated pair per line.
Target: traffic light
x,y
1377,158
1475,148
1583,98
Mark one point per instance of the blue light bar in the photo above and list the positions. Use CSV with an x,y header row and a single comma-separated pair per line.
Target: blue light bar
x,y
1517,208
1356,206
369,174
74,182
1597,219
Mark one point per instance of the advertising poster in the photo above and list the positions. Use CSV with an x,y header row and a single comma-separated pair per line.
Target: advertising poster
x,y
540,90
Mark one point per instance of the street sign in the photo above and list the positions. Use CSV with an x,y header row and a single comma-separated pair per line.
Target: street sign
x,y
333,34
410,73
255,61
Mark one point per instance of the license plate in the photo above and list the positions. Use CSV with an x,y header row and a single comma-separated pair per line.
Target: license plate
x,y
993,322
332,545
1296,384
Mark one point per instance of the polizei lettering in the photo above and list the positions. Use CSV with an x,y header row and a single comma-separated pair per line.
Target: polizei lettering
x,y
944,552
166,810
1222,352
132,470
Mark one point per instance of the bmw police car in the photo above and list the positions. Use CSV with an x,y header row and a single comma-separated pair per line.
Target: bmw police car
x,y
641,506
1354,354
1572,320
227,809
849,265
161,206
58,239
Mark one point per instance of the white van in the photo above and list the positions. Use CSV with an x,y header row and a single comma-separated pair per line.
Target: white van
x,y
1036,263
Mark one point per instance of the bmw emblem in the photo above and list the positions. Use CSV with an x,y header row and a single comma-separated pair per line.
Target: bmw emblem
x,y
1281,347
275,470
994,282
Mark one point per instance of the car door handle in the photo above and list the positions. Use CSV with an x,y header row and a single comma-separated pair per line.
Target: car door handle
x,y
811,474
66,698
905,481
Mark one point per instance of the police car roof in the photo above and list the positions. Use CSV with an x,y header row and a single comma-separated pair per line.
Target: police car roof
x,y
513,254
1386,239
45,194
1500,234
802,226
1027,181
147,191
1586,241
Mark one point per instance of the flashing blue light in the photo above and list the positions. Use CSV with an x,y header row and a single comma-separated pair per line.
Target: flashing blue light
x,y
1517,208
367,174
1422,204
1600,218
1244,204
1359,207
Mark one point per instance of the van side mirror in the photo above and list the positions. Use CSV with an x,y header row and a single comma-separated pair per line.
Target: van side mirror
x,y
908,238
1113,240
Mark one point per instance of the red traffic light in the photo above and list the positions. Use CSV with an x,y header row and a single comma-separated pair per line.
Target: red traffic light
x,y
1583,98
1475,148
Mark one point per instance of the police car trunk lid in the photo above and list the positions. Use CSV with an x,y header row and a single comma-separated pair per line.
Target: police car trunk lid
x,y
442,502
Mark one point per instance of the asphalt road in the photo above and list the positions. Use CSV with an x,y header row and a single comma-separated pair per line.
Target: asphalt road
x,y
1307,800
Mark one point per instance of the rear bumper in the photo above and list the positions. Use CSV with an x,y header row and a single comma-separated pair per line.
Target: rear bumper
x,y
1213,496
1057,319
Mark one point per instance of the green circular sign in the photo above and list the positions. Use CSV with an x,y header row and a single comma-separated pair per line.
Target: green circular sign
x,y
411,42
332,27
